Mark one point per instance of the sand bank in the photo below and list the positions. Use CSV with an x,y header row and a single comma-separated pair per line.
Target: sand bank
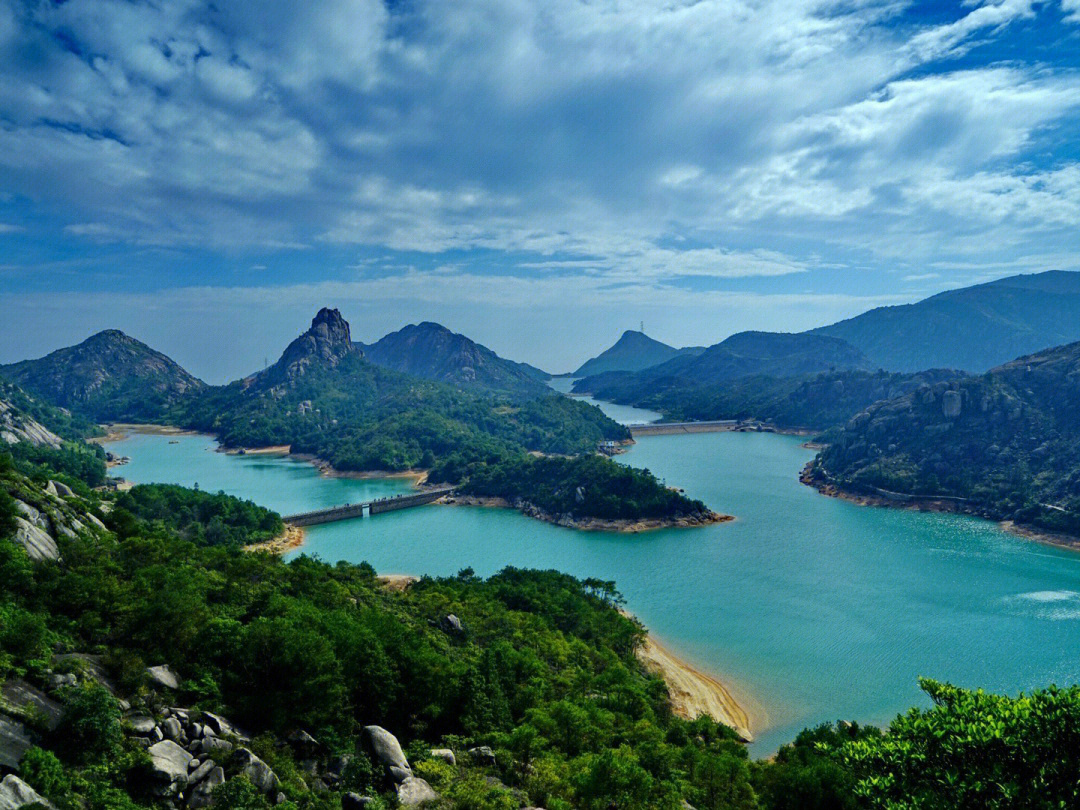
x,y
290,539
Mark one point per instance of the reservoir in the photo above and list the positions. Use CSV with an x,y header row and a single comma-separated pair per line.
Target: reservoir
x,y
810,608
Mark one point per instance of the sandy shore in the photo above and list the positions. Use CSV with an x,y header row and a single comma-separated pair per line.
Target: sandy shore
x,y
120,431
290,539
693,693
589,524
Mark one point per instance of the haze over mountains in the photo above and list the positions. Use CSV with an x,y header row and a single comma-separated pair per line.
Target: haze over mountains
x,y
633,351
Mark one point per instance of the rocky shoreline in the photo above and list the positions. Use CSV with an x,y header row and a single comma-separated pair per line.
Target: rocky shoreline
x,y
568,521
943,504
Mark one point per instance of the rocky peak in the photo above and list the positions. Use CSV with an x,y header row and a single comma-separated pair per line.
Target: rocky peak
x,y
326,342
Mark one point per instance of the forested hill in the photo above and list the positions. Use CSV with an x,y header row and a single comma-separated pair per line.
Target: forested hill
x,y
745,354
1007,441
633,351
812,402
973,328
110,376
325,398
433,352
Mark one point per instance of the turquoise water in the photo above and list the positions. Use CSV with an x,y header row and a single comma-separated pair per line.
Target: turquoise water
x,y
814,609
623,414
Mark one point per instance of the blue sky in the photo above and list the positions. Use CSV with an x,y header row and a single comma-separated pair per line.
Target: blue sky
x,y
538,174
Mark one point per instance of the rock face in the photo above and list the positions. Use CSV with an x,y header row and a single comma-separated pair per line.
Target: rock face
x,y
14,743
15,793
108,377
161,675
327,342
22,697
38,543
16,426
257,771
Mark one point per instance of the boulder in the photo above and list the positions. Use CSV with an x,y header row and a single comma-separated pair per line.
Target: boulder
x,y
222,727
142,724
452,624
202,794
303,742
257,771
172,729
209,744
951,404
388,751
92,666
445,754
38,543
163,676
202,771
32,515
24,698
13,743
169,762
482,755
414,791
15,793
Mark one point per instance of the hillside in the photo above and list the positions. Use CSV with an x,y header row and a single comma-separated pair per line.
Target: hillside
x,y
813,402
633,351
1007,442
433,352
109,377
774,354
973,328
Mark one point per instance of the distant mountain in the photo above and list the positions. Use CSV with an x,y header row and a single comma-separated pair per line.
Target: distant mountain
x,y
973,328
633,351
433,352
1007,441
108,377
774,354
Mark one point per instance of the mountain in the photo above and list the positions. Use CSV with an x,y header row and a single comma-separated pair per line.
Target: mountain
x,y
326,343
433,352
633,351
973,328
110,376
1006,442
774,354
16,426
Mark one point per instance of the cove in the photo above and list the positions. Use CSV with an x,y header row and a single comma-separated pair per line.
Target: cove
x,y
811,609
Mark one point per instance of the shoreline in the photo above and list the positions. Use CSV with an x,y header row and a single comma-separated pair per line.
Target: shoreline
x,y
941,505
693,692
588,524
289,540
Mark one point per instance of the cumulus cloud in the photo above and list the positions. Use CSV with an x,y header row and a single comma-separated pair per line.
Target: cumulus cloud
x,y
644,139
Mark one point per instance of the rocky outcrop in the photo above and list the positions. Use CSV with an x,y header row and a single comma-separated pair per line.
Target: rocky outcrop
x,y
38,543
22,698
15,793
161,675
169,763
257,771
14,742
16,426
327,342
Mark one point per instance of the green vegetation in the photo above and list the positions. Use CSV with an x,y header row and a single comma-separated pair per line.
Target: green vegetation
x,y
542,670
1006,442
202,518
583,486
77,464
62,422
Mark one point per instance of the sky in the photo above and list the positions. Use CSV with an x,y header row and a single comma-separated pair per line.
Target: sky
x,y
537,174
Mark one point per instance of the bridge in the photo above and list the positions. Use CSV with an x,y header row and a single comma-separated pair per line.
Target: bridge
x,y
657,428
355,510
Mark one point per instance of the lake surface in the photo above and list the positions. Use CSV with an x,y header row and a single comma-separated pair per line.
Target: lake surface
x,y
623,414
813,609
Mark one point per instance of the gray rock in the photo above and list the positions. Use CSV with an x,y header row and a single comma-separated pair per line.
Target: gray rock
x,y
445,754
13,743
209,744
388,751
142,724
169,762
951,404
33,515
414,791
38,543
222,727
452,624
172,729
482,755
92,666
196,730
302,739
61,490
257,771
163,676
15,793
24,698
201,772
202,794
